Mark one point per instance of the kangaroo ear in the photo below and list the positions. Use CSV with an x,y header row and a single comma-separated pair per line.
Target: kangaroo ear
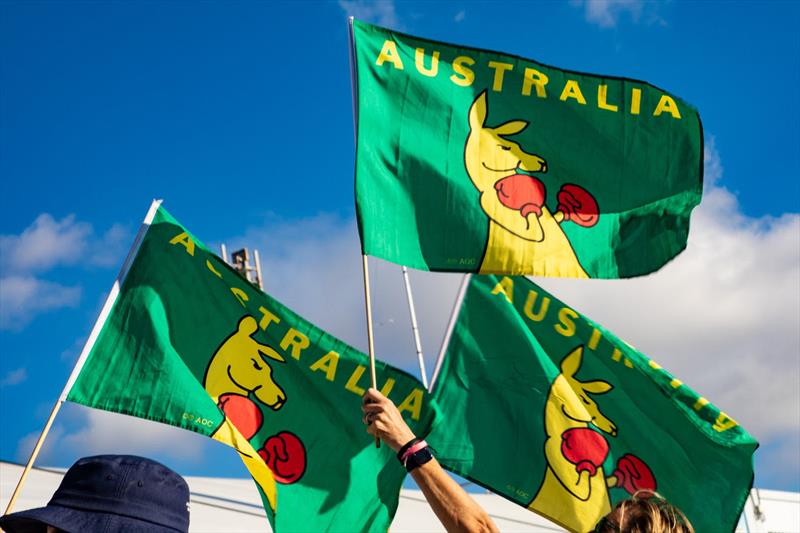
x,y
266,351
477,112
511,127
248,325
597,387
572,362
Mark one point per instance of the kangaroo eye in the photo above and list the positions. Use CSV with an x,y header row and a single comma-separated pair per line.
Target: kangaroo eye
x,y
255,364
503,147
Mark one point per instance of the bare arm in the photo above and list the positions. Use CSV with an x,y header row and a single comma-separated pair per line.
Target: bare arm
x,y
454,507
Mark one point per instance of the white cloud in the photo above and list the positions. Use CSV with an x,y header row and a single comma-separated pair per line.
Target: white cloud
x,y
24,297
44,245
48,243
14,377
381,12
102,432
461,15
607,13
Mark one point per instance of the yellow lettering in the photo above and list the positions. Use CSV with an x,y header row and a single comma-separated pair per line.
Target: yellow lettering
x,y
412,404
419,61
296,340
667,104
616,355
266,318
327,363
636,101
531,301
572,90
185,240
602,96
675,383
463,75
240,295
499,71
352,383
628,363
653,364
724,423
212,269
506,286
700,403
534,78
567,326
387,386
595,339
389,53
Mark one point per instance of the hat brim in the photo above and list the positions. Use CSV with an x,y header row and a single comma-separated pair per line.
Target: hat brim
x,y
76,521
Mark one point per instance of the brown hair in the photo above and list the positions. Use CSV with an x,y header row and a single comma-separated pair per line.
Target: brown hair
x,y
645,512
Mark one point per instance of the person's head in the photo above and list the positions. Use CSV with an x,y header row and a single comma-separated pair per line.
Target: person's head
x,y
110,493
644,512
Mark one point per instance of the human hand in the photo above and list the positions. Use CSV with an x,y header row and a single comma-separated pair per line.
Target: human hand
x,y
384,421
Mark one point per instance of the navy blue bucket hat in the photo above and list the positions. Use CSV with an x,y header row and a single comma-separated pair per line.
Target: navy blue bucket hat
x,y
109,493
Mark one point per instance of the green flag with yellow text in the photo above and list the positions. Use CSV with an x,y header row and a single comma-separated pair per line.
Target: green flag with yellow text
x,y
550,410
192,344
475,161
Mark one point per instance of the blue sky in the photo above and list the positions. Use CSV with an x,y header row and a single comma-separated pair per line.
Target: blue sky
x,y
239,116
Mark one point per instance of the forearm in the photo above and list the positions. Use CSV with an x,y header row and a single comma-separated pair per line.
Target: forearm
x,y
453,506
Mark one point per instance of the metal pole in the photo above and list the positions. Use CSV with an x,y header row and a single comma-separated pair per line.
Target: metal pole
x,y
258,270
415,329
33,456
224,252
354,92
462,291
87,347
370,338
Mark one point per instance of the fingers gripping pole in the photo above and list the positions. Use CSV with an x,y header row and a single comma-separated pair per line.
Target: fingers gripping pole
x,y
33,456
370,338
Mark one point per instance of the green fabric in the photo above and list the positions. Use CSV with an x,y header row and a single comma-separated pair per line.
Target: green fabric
x,y
500,403
416,201
178,309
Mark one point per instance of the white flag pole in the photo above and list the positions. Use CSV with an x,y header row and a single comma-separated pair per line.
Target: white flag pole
x,y
87,347
453,317
365,262
414,329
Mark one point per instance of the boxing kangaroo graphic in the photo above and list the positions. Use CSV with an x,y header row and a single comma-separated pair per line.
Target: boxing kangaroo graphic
x,y
240,368
574,491
522,230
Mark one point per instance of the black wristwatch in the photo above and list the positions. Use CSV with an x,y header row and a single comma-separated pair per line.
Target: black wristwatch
x,y
418,458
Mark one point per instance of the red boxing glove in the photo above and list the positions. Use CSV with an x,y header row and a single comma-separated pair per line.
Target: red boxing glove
x,y
521,192
285,455
243,413
633,474
578,205
585,448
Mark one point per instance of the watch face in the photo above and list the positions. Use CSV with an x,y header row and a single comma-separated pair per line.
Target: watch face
x,y
418,458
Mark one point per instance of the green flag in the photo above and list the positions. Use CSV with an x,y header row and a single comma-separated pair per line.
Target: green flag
x,y
192,344
475,161
548,409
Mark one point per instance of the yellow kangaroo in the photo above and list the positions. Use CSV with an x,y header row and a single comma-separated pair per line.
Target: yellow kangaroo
x,y
520,236
574,491
239,367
